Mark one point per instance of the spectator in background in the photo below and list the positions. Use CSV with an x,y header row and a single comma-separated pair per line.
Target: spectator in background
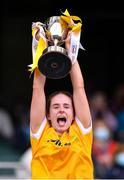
x,y
118,101
99,104
25,162
22,127
117,169
6,125
103,147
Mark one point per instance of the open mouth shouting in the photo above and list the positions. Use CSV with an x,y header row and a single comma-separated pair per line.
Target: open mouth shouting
x,y
61,120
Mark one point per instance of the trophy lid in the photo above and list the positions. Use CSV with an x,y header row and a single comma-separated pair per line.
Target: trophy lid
x,y
56,27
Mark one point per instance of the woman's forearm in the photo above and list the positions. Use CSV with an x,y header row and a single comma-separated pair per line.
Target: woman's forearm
x,y
76,76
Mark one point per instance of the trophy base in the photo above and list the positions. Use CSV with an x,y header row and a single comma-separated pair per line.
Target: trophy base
x,y
54,64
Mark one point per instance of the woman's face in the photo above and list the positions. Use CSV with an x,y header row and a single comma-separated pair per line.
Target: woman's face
x,y
61,113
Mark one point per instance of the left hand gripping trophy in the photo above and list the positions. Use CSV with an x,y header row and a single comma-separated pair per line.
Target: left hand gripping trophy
x,y
53,60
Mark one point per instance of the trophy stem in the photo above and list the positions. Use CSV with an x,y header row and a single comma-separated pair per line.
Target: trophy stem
x,y
56,42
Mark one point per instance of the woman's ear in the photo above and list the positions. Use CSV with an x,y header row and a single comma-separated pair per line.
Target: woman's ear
x,y
48,116
48,119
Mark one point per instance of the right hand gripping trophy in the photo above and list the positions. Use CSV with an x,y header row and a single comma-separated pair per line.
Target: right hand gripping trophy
x,y
53,60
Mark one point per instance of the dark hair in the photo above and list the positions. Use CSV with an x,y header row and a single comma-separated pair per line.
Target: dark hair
x,y
54,94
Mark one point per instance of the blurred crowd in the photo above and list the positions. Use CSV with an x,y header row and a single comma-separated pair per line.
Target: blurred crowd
x,y
108,132
108,128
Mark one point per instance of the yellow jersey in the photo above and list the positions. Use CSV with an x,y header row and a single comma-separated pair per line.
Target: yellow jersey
x,y
62,157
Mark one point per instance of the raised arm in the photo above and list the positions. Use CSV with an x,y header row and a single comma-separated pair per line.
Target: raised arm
x,y
38,103
79,96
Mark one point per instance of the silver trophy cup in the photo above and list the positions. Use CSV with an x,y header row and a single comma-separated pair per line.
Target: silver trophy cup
x,y
55,63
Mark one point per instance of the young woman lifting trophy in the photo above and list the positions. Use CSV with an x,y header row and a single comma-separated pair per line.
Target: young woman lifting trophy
x,y
61,127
